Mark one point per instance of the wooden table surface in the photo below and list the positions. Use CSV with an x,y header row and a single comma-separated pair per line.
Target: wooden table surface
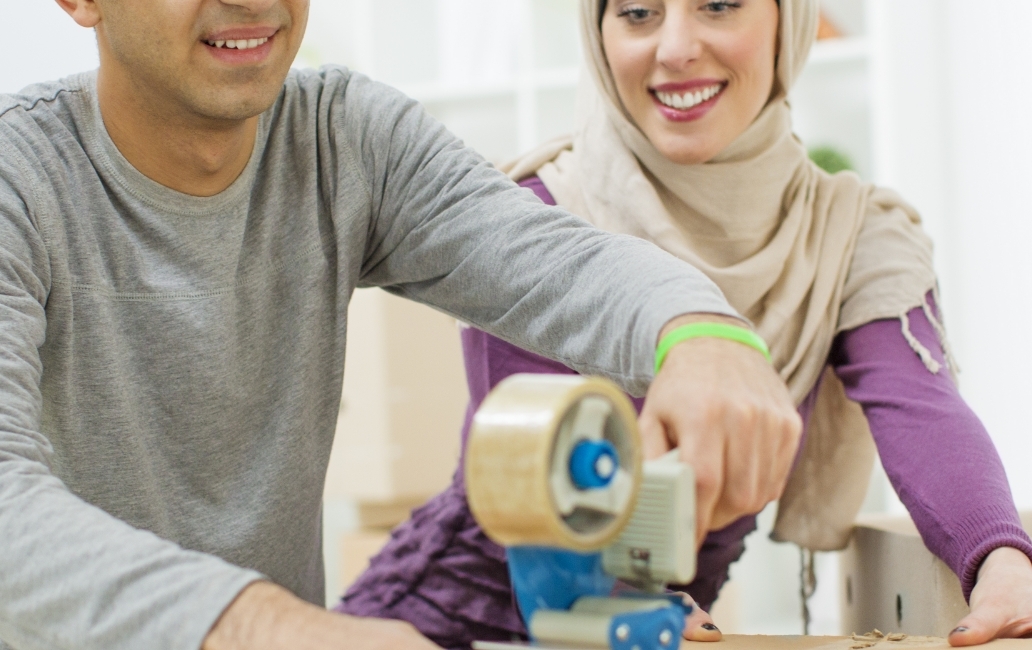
x,y
736,642
733,642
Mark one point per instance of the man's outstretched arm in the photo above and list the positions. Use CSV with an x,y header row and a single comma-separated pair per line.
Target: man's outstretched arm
x,y
453,232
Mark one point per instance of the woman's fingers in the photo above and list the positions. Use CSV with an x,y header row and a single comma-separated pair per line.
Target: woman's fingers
x,y
974,631
985,623
699,626
1001,603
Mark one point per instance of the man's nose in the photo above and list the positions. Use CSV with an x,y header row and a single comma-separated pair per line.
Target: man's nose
x,y
255,6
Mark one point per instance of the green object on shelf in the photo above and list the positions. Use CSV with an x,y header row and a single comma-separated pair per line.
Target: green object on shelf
x,y
831,159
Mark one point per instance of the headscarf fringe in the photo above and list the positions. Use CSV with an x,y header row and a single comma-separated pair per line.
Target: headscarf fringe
x,y
926,355
940,329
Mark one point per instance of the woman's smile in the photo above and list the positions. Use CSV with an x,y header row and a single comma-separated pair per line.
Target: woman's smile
x,y
676,62
687,101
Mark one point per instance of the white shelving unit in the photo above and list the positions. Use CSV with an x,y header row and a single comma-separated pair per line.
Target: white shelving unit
x,y
501,74
832,99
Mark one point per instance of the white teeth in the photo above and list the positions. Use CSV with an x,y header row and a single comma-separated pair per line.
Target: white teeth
x,y
689,100
240,44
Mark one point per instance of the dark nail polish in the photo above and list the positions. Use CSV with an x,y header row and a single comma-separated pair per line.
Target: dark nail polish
x,y
710,626
959,630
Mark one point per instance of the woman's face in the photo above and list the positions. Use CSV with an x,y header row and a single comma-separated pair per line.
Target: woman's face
x,y
693,74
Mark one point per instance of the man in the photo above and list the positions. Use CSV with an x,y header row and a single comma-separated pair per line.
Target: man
x,y
179,237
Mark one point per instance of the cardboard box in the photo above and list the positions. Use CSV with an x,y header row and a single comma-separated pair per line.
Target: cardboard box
x,y
403,404
355,551
891,582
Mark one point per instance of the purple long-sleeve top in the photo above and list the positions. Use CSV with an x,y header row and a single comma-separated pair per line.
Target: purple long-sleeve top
x,y
441,573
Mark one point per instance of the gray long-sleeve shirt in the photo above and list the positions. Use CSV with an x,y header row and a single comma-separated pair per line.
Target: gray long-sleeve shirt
x,y
171,366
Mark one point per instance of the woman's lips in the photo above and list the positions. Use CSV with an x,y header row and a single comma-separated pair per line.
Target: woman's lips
x,y
689,104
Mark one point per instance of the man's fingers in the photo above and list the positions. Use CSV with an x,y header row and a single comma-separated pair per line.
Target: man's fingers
x,y
746,463
752,463
709,485
657,439
654,440
791,426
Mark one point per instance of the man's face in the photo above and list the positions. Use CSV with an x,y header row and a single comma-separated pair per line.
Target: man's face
x,y
214,59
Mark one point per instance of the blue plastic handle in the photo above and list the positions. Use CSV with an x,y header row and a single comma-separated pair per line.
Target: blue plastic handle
x,y
593,464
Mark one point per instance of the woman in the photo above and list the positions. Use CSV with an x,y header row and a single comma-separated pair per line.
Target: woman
x,y
684,138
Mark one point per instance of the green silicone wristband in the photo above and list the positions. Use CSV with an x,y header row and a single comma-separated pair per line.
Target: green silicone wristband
x,y
709,330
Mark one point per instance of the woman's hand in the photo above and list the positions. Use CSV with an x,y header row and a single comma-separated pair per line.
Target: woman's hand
x,y
731,416
1001,602
698,626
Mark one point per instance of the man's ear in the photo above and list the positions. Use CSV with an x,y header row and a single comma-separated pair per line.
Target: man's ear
x,y
84,12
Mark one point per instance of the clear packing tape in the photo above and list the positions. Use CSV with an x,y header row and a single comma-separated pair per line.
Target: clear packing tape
x,y
518,475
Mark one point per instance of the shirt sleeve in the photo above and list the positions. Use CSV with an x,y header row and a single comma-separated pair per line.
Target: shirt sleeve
x,y
71,575
451,231
936,453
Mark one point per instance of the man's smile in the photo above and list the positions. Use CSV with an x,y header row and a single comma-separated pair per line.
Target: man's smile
x,y
239,44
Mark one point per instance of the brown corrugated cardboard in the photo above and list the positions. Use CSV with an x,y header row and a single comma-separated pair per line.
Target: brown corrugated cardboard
x,y
376,515
356,549
403,403
890,581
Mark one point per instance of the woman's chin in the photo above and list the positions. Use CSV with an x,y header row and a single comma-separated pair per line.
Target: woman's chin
x,y
685,144
680,152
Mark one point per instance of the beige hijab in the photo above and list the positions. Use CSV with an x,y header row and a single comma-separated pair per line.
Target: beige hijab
x,y
802,254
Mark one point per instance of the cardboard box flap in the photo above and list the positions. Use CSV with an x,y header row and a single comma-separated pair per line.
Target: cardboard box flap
x,y
889,524
902,525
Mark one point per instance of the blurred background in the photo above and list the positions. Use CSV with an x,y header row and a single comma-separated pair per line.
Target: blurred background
x,y
930,97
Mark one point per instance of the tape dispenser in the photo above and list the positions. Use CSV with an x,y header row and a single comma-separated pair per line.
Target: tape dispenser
x,y
593,534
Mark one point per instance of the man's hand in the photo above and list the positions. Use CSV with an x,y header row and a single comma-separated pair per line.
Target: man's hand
x,y
731,416
1001,602
267,617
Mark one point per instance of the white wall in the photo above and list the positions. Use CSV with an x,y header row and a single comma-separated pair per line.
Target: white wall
x,y
39,42
958,107
989,64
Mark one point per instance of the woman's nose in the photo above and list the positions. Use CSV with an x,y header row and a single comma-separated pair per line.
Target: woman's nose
x,y
679,44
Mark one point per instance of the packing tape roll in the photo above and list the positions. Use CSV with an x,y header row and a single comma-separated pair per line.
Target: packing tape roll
x,y
512,450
